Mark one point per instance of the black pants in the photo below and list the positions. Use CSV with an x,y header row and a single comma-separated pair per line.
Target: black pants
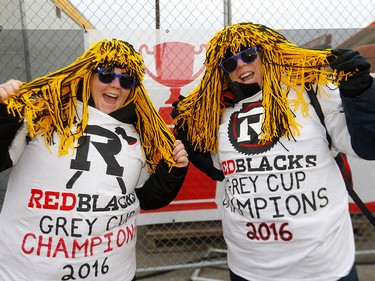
x,y
352,276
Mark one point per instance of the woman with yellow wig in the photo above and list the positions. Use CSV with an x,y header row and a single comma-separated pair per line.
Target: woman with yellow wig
x,y
250,124
88,150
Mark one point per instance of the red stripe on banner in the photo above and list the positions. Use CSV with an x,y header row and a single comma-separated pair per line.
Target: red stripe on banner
x,y
184,207
198,192
354,209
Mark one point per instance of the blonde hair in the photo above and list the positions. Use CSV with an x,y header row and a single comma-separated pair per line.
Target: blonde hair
x,y
49,103
284,66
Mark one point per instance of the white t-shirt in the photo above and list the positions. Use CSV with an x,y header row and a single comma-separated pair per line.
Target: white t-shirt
x,y
285,206
72,217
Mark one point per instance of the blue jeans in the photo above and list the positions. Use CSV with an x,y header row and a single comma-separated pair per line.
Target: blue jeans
x,y
352,276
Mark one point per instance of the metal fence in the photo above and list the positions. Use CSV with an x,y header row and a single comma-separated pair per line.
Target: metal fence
x,y
43,35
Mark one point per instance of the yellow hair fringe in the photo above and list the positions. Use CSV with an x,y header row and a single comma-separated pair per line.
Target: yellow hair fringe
x,y
49,103
284,66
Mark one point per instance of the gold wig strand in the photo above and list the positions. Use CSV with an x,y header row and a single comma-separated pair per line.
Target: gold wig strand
x,y
156,138
284,66
49,103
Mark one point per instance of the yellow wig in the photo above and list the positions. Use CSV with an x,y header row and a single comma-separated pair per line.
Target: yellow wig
x,y
49,103
284,66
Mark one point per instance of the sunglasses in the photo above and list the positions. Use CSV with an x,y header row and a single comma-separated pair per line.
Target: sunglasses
x,y
107,76
247,56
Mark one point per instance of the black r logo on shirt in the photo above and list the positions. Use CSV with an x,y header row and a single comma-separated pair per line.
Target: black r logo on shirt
x,y
245,127
107,149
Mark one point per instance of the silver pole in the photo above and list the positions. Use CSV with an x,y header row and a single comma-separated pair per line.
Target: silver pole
x,y
25,38
227,12
157,14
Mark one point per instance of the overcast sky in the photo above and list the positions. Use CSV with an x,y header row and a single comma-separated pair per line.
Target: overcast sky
x,y
197,14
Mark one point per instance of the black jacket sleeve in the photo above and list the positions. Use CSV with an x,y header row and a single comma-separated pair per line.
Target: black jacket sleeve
x,y
9,125
360,118
162,187
201,160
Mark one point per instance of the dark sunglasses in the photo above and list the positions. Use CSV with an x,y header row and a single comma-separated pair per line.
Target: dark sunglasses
x,y
247,56
107,76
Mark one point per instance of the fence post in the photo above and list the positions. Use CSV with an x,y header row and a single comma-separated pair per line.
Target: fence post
x,y
227,12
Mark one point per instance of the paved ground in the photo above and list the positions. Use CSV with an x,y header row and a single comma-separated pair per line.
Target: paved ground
x,y
365,272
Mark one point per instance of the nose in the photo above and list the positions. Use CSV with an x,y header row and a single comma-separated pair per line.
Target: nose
x,y
240,63
116,83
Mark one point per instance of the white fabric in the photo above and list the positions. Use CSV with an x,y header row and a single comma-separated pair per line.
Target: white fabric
x,y
285,207
71,217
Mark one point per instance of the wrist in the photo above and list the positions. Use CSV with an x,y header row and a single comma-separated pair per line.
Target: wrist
x,y
356,86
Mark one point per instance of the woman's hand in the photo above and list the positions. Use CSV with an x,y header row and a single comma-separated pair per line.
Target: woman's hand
x,y
8,89
179,154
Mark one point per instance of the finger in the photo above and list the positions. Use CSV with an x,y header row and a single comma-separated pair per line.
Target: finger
x,y
178,145
182,161
13,85
341,55
180,153
9,88
340,52
355,64
3,94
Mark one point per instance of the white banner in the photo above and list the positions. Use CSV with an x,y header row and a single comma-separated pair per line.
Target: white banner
x,y
174,63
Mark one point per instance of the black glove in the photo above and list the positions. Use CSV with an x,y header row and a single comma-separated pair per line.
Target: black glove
x,y
179,131
202,161
351,61
174,112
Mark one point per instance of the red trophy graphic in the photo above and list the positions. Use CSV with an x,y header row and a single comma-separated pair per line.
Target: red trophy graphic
x,y
174,63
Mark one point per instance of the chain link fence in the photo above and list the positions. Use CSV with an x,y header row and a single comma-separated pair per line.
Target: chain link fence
x,y
41,36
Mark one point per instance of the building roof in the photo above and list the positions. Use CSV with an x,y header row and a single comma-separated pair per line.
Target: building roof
x,y
363,42
365,36
73,13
